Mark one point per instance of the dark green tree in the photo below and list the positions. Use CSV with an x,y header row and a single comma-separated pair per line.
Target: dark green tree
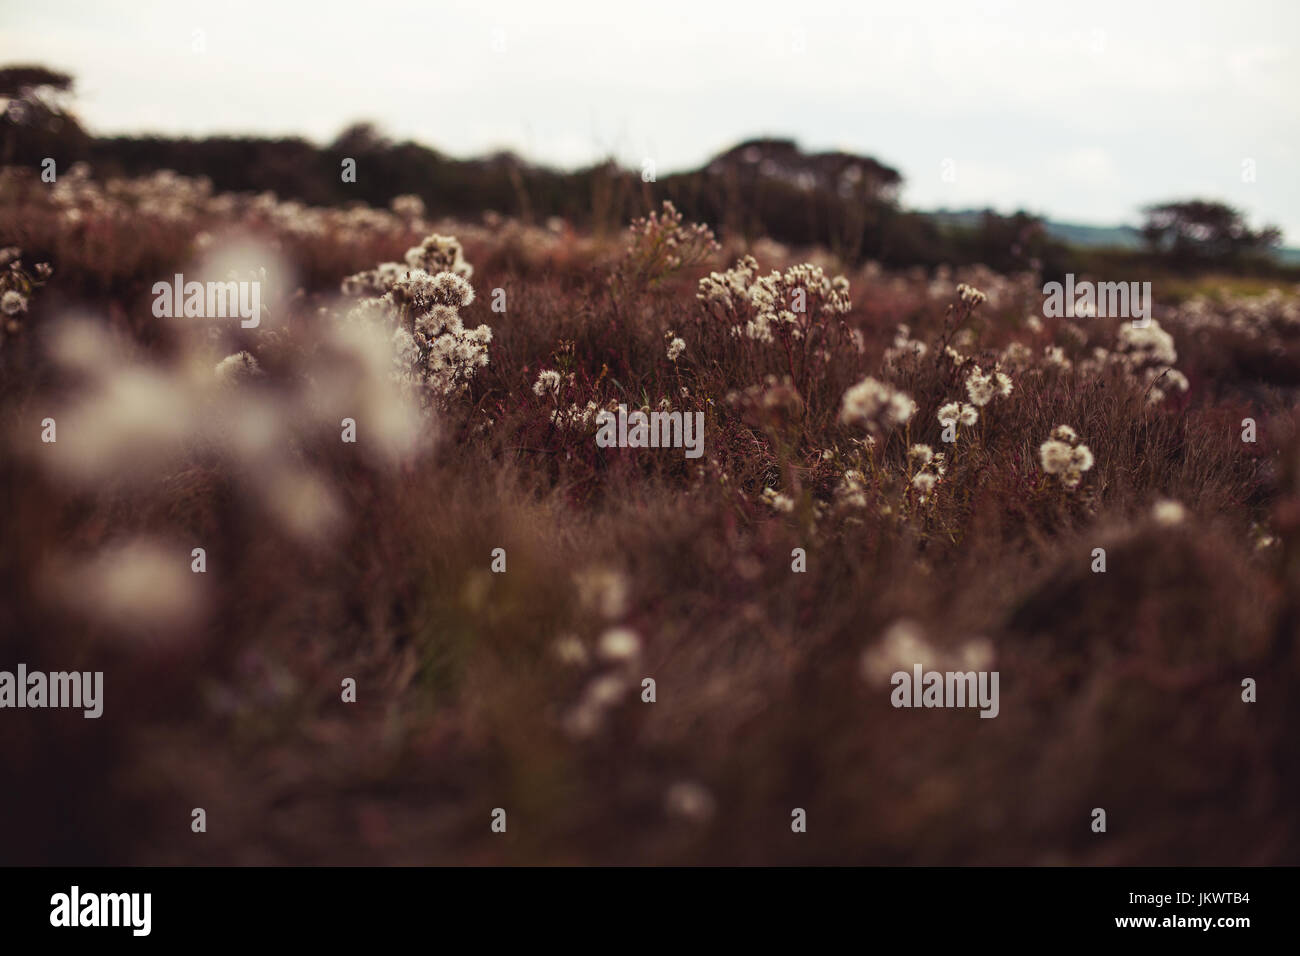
x,y
1199,230
36,121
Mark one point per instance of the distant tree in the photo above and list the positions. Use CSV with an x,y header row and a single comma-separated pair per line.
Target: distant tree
x,y
35,120
359,138
1203,230
29,80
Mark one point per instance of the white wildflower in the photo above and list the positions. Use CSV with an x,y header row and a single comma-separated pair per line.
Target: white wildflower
x,y
902,646
778,502
547,381
1063,456
13,302
1054,356
570,650
439,254
1055,456
875,406
619,644
979,387
689,801
602,591
1168,513
237,368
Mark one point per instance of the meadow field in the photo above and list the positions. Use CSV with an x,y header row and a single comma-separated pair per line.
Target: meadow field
x,y
365,588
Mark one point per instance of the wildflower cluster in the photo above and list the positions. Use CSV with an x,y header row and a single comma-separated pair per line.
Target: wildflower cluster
x,y
1168,513
660,245
602,593
983,388
435,356
904,347
904,643
779,305
135,418
188,205
1148,353
772,404
930,466
16,287
970,296
777,501
582,418
1064,456
1272,317
548,383
439,254
851,492
875,406
958,413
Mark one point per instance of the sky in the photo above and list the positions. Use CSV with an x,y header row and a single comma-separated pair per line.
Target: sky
x,y
1083,112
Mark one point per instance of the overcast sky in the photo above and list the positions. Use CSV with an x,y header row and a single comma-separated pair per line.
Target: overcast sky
x,y
1081,111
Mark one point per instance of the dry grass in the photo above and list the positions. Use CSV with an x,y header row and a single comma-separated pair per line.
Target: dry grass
x,y
1119,690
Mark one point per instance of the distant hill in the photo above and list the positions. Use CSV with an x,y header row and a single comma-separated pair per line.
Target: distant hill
x,y
1085,237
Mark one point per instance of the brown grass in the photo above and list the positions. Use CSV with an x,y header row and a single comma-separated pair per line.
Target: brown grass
x,y
1119,690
